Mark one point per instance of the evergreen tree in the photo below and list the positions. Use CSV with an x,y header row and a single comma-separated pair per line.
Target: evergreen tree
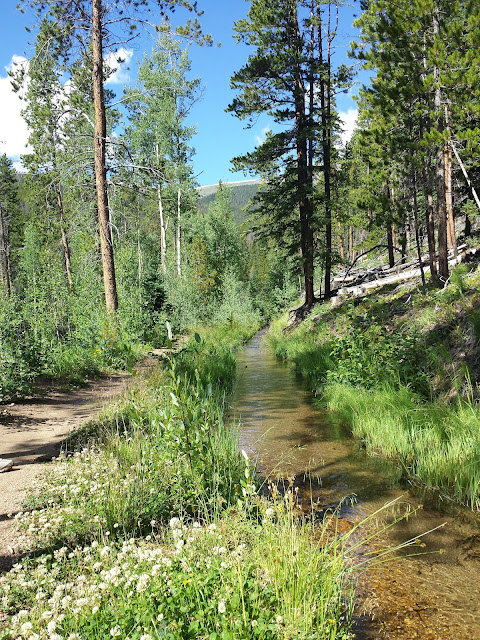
x,y
291,63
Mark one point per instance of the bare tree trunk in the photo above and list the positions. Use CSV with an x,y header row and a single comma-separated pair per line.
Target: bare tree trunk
x,y
432,252
66,247
304,181
391,256
163,234
351,245
179,233
415,219
451,236
5,274
464,171
106,243
440,167
326,107
340,242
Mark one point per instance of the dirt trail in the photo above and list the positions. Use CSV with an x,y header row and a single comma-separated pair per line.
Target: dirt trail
x,y
31,433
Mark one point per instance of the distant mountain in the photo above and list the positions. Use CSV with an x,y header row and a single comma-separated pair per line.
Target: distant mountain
x,y
240,195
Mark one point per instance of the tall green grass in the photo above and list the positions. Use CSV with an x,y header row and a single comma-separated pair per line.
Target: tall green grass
x,y
436,445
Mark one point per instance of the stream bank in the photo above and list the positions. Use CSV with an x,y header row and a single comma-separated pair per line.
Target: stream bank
x,y
429,597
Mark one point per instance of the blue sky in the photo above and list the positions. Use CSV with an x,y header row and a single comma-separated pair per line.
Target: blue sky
x,y
220,135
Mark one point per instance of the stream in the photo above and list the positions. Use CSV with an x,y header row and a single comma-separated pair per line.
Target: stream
x,y
433,596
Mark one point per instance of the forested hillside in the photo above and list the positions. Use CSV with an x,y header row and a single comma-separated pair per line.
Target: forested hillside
x,y
241,193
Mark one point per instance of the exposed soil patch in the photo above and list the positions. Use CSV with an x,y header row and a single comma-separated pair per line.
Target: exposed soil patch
x,y
31,434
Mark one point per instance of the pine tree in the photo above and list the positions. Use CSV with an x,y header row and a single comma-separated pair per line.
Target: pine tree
x,y
290,66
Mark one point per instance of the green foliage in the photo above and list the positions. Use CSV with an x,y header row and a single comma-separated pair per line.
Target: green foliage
x,y
436,446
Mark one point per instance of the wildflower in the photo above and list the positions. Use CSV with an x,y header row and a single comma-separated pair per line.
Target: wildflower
x,y
270,512
143,582
221,607
279,619
115,631
51,626
160,617
146,636
175,523
25,628
212,527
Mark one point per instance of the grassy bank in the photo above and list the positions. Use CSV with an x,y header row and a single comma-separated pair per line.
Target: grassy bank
x,y
402,369
153,528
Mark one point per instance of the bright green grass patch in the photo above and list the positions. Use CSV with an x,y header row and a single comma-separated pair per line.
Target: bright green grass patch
x,y
436,445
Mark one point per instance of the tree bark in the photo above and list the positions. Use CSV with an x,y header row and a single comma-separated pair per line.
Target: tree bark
x,y
326,106
415,219
451,236
340,243
304,180
351,244
65,244
432,252
391,256
106,241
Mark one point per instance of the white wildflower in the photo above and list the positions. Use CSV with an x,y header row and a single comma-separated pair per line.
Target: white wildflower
x,y
115,631
269,513
221,607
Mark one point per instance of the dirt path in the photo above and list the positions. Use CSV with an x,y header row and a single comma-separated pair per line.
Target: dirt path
x,y
31,434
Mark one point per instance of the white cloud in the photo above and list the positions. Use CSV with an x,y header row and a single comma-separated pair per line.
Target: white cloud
x,y
120,74
349,120
260,139
13,129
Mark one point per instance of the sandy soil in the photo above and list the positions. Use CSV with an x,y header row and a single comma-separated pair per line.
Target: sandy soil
x,y
31,433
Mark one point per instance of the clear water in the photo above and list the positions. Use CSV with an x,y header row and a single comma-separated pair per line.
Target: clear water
x,y
434,596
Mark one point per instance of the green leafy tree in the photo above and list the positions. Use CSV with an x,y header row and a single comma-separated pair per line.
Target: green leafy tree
x,y
157,137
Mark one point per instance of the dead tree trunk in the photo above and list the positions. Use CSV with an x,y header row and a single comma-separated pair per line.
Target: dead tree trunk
x,y
179,233
163,234
65,244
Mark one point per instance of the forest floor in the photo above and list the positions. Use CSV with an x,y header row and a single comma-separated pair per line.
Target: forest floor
x,y
31,434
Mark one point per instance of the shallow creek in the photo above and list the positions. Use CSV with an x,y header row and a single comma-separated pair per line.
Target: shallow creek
x,y
435,596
